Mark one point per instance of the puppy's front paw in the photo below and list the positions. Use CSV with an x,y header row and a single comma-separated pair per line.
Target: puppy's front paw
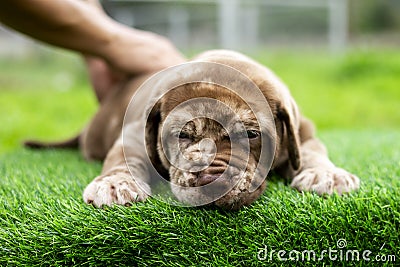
x,y
119,188
326,180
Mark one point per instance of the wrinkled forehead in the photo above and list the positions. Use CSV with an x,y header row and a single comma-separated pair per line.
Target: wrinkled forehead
x,y
209,115
207,102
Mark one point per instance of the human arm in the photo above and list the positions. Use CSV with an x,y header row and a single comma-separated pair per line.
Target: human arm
x,y
85,28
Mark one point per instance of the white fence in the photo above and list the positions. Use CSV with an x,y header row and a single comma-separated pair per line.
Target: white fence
x,y
238,21
235,24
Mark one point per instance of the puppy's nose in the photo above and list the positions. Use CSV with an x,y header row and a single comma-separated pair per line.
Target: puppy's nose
x,y
205,178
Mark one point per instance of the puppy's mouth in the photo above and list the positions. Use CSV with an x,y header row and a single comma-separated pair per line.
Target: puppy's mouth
x,y
225,186
216,171
217,179
204,179
222,174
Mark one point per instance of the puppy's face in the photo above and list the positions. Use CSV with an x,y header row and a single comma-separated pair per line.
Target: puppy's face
x,y
209,140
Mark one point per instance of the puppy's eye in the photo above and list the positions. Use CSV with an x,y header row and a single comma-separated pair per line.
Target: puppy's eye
x,y
252,134
249,134
183,135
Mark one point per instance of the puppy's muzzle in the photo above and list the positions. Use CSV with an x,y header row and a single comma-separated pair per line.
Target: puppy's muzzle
x,y
212,173
204,179
219,173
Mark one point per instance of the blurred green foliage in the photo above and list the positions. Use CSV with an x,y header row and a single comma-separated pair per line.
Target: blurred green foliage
x,y
359,89
374,15
46,97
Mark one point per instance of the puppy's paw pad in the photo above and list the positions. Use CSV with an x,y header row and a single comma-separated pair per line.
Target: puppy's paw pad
x,y
118,188
326,181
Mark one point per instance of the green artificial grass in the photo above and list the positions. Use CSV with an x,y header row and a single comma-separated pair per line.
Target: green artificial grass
x,y
43,220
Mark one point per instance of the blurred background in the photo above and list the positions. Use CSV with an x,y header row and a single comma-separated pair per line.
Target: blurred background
x,y
340,58
248,25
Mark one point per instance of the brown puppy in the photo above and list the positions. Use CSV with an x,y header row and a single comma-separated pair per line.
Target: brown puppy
x,y
232,148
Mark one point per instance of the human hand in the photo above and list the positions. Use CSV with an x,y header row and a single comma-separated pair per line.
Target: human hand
x,y
134,51
131,52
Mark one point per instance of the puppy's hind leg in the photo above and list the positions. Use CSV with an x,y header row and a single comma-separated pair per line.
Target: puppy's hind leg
x,y
317,173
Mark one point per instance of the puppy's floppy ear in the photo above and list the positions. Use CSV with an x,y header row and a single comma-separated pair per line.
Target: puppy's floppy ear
x,y
151,138
292,137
